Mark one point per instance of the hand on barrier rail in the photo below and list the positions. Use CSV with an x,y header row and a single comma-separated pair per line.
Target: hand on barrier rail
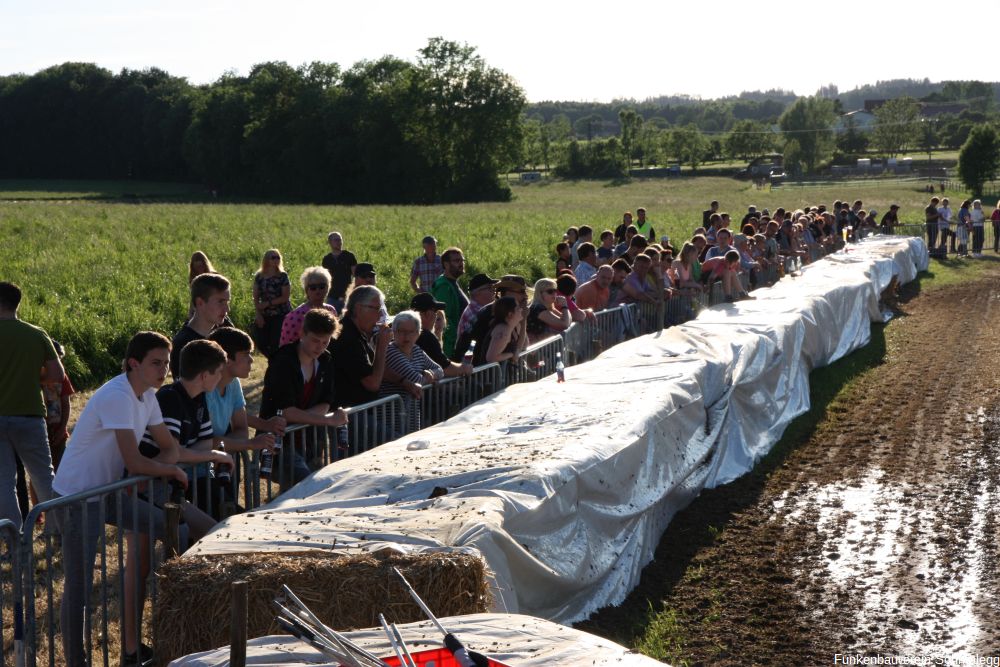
x,y
262,440
276,425
414,389
337,418
429,377
176,475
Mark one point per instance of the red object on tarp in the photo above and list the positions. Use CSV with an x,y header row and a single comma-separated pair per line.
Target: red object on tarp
x,y
436,657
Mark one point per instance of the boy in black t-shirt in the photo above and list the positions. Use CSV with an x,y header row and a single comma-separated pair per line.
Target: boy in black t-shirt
x,y
210,298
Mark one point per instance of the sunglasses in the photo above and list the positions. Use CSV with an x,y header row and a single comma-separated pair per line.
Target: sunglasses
x,y
316,286
550,291
273,257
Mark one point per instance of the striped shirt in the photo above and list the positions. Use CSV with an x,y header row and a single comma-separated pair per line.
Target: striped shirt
x,y
187,418
409,369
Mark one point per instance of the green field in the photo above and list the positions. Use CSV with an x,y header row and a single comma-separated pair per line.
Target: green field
x,y
96,271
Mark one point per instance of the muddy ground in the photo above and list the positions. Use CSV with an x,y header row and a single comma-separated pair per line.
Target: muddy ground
x,y
874,534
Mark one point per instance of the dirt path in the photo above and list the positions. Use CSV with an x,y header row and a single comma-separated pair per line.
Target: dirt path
x,y
878,535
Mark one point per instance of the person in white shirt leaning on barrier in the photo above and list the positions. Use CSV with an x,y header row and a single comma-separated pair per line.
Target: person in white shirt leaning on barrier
x,y
103,444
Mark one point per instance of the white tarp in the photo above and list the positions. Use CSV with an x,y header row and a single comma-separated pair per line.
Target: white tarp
x,y
519,641
565,489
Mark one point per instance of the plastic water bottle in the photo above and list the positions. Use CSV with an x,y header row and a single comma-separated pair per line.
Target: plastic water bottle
x,y
343,441
467,357
560,368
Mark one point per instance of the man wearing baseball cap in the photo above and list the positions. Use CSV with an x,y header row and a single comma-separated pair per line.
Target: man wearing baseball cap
x,y
364,274
480,294
428,308
427,267
508,285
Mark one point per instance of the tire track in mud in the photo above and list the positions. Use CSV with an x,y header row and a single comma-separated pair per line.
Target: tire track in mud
x,y
876,536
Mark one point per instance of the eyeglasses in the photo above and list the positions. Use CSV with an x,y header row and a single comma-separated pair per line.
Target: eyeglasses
x,y
316,286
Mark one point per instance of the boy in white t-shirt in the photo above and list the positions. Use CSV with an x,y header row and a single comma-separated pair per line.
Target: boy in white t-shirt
x,y
104,443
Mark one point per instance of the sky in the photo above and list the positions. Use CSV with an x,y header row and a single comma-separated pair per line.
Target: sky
x,y
554,50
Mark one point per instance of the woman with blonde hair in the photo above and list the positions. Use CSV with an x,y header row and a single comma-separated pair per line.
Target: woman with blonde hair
x,y
548,314
271,291
198,265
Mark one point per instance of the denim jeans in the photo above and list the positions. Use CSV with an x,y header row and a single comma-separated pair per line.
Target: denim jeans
x,y
28,438
80,538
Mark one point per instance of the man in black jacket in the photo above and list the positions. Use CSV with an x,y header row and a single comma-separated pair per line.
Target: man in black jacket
x,y
299,382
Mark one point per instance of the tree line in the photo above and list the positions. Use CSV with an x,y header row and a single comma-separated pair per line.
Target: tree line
x,y
439,129
810,133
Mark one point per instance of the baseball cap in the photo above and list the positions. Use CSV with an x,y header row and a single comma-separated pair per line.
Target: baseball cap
x,y
425,301
481,280
429,239
364,270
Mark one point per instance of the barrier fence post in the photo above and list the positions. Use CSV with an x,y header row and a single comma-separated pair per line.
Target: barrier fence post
x,y
238,627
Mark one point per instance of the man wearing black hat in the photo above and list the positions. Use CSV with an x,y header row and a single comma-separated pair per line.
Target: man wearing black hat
x,y
427,267
480,294
364,274
447,290
428,308
509,285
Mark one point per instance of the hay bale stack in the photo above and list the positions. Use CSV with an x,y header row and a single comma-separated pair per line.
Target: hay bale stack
x,y
347,592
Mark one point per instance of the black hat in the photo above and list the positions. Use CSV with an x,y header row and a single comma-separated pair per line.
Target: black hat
x,y
364,270
425,301
481,280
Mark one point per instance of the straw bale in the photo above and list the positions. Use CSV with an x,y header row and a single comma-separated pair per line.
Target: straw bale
x,y
346,592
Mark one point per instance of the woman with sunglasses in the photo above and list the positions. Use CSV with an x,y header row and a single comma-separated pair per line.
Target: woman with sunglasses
x,y
271,290
316,282
549,313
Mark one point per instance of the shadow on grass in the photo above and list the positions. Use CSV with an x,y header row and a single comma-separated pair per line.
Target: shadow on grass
x,y
696,527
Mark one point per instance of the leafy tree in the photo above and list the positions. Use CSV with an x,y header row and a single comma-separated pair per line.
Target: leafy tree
x,y
749,139
897,126
631,123
852,140
808,122
588,126
688,145
595,159
979,159
927,137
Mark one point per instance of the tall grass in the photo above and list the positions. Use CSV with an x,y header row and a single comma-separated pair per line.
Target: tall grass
x,y
95,272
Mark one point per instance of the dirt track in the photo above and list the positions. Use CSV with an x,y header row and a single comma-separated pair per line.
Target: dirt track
x,y
876,536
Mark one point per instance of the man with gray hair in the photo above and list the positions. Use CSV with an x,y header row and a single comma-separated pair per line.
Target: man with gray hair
x,y
359,351
340,263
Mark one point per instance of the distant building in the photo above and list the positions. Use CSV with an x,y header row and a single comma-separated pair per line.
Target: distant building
x,y
862,119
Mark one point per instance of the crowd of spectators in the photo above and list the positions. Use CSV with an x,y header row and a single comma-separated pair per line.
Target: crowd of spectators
x,y
338,348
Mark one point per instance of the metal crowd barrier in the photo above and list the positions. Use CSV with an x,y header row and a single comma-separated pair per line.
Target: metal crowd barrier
x,y
39,572
537,360
446,398
306,448
11,615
